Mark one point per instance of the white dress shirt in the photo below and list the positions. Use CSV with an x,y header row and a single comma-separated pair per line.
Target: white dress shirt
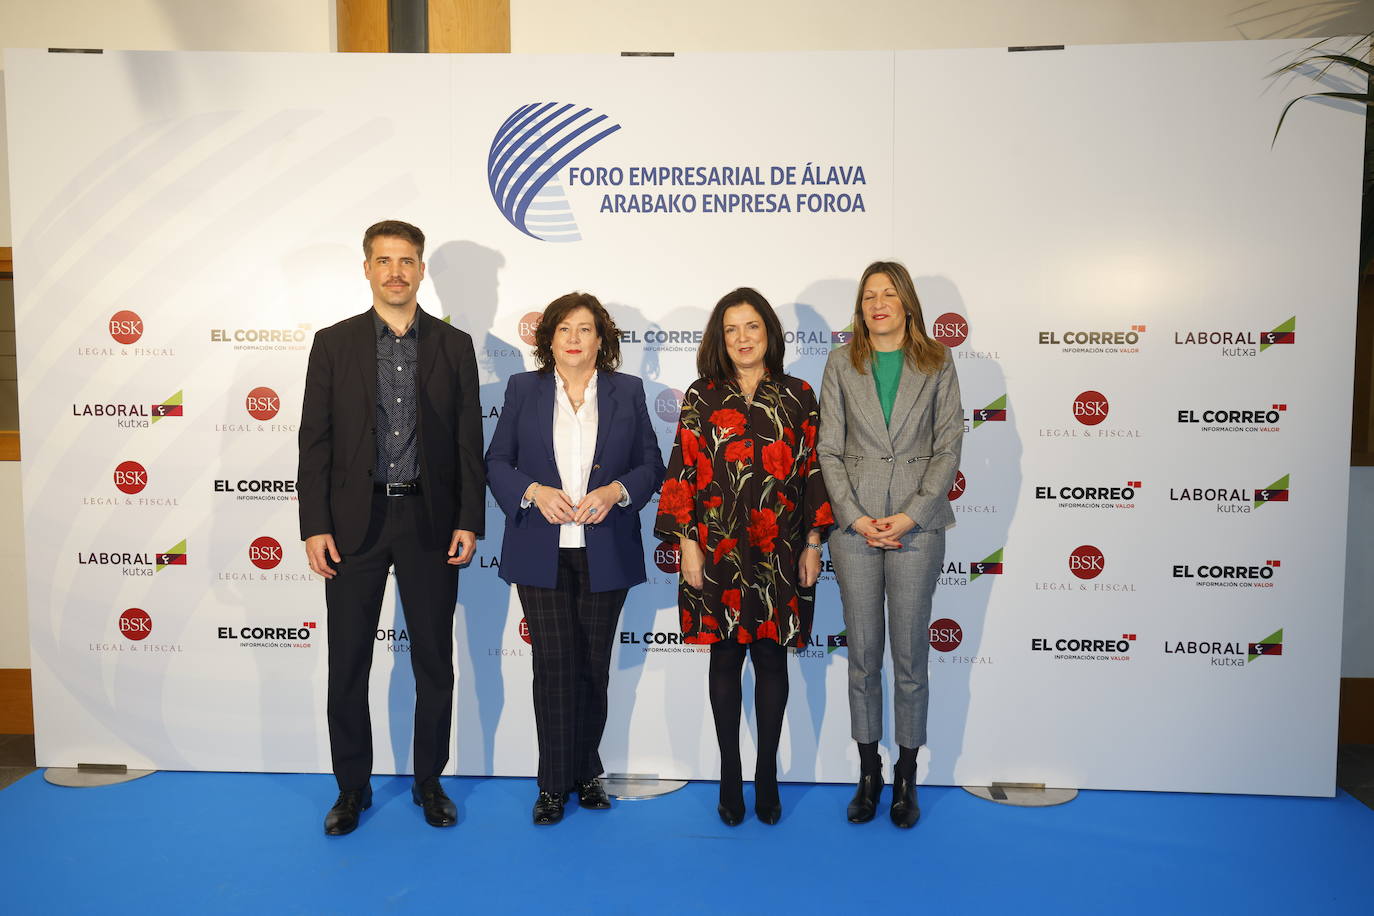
x,y
574,447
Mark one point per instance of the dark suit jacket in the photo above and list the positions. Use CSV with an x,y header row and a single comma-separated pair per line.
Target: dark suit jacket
x,y
338,444
521,453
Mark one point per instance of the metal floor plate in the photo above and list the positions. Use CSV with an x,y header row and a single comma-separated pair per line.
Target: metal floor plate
x,y
91,777
1022,796
637,786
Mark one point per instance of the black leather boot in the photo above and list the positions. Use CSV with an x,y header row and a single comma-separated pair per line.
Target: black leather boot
x,y
864,804
905,811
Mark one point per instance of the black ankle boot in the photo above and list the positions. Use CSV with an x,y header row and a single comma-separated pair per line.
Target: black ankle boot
x,y
864,804
905,811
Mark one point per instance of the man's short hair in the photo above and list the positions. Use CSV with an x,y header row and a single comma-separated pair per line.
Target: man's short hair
x,y
396,229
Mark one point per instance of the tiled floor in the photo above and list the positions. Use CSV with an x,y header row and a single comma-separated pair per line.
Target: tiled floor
x,y
1354,765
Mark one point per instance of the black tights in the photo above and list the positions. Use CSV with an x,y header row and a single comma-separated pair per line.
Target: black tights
x,y
770,702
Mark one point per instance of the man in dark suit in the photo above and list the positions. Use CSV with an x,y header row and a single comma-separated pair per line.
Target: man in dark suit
x,y
390,475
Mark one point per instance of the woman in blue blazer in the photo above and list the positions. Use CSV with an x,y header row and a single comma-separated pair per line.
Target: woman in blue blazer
x,y
572,462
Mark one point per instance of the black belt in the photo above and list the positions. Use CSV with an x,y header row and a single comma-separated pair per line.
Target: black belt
x,y
409,488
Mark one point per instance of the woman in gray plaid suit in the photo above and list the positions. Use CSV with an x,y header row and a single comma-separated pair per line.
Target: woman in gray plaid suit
x,y
891,430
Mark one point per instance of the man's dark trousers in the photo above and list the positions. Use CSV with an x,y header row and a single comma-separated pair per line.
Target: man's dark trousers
x,y
428,589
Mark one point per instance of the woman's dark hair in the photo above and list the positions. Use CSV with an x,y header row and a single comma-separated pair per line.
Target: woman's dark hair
x,y
607,357
713,360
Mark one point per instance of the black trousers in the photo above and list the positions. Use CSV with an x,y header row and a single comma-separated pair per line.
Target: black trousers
x,y
429,588
572,632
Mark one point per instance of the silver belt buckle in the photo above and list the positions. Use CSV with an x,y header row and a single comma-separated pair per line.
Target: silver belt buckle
x,y
397,489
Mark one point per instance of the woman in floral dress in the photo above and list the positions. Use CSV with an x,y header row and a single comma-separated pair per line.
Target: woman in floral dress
x,y
745,499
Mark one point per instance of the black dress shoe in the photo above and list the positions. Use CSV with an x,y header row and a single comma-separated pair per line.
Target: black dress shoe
x,y
768,812
548,808
864,804
730,818
591,794
905,811
731,807
767,805
440,811
343,817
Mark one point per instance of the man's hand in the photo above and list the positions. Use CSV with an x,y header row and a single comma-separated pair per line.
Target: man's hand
x,y
461,547
317,548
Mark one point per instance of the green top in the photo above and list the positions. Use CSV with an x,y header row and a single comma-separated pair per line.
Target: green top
x,y
887,374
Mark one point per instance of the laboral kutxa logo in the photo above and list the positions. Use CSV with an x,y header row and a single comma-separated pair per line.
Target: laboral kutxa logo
x,y
1233,498
528,152
1229,653
955,572
131,415
995,412
1240,343
135,564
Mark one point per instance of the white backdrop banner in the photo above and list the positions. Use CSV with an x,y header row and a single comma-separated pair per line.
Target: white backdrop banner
x,y
1151,307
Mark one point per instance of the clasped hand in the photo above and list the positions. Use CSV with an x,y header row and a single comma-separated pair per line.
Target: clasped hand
x,y
557,507
885,533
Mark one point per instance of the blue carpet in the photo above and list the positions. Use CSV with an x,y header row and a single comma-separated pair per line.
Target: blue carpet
x,y
237,843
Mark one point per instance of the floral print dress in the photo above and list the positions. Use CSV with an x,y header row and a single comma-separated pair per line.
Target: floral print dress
x,y
744,483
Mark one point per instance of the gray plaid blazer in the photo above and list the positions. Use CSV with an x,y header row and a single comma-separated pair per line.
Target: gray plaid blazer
x,y
876,469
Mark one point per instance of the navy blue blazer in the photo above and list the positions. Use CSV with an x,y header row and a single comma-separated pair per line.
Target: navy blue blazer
x,y
521,453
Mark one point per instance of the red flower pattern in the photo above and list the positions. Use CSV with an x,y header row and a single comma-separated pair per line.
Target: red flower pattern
x,y
730,422
758,520
676,500
777,459
763,529
691,445
705,472
740,450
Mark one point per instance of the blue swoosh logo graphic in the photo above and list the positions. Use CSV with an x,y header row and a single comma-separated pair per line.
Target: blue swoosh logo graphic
x,y
528,152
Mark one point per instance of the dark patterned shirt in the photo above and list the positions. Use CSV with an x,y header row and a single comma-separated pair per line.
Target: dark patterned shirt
x,y
397,459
